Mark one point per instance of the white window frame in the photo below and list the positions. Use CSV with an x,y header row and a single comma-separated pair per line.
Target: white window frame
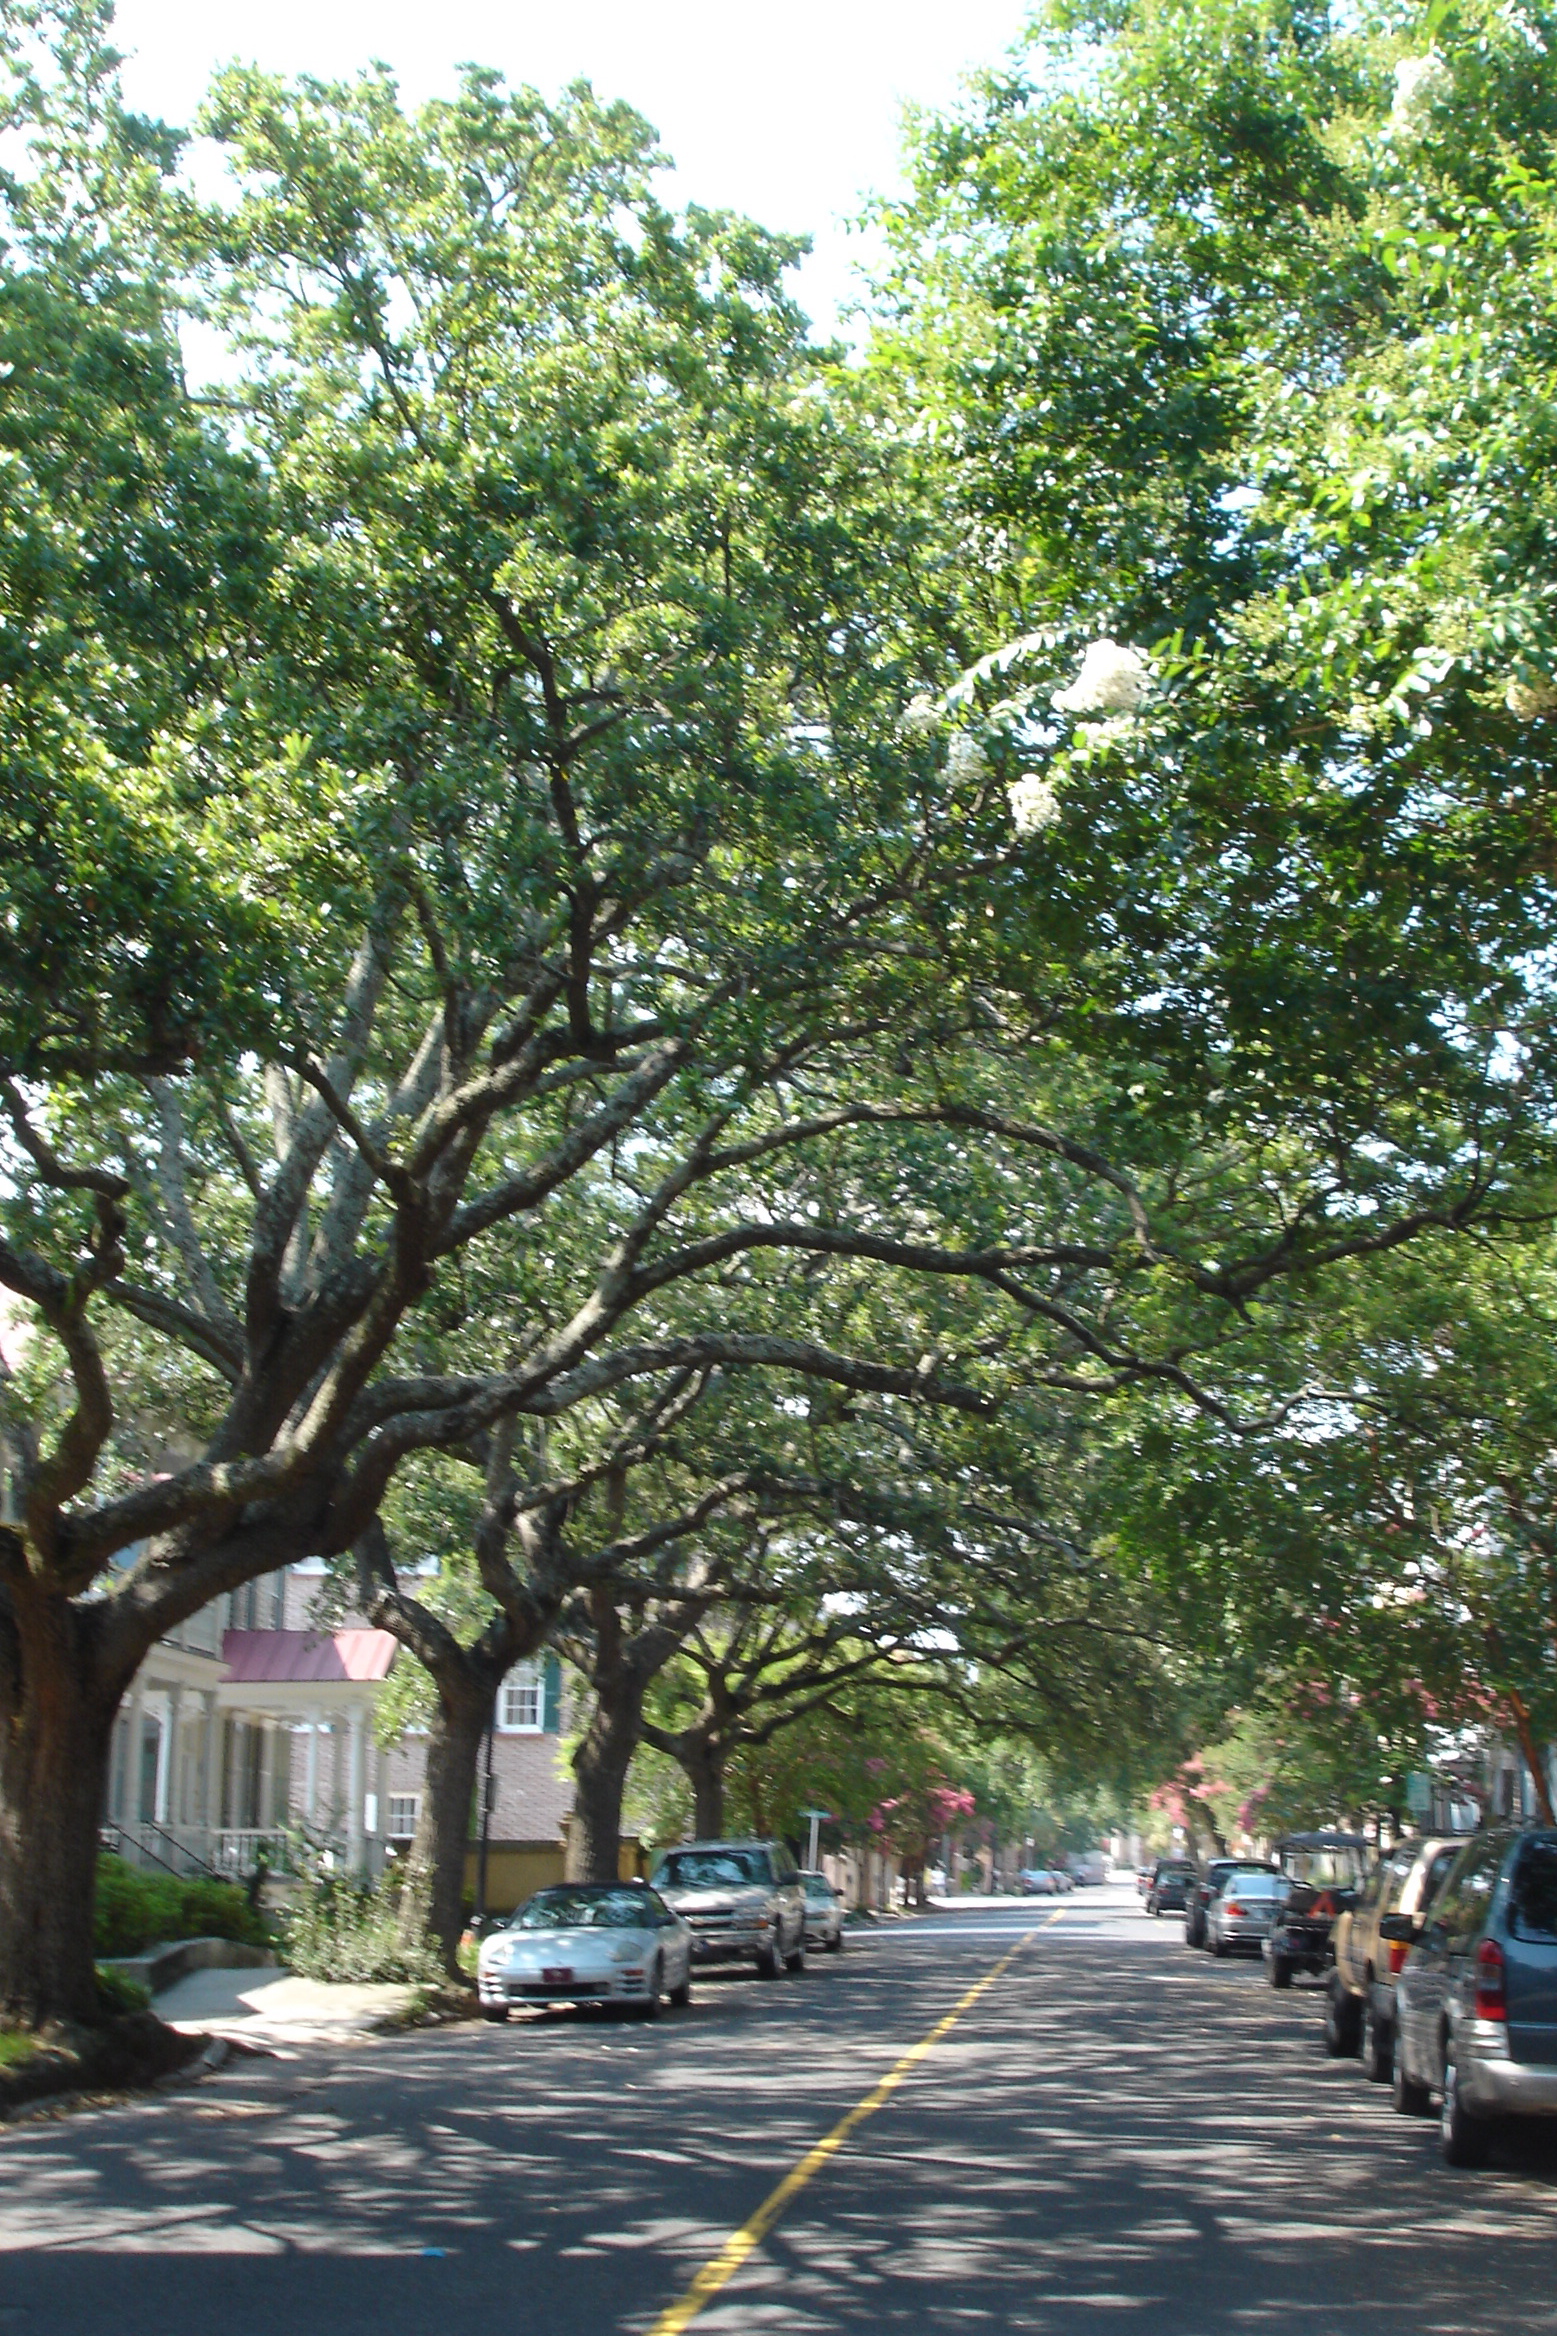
x,y
524,1688
395,1804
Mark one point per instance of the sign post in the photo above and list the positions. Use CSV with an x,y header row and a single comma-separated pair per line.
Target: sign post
x,y
818,1818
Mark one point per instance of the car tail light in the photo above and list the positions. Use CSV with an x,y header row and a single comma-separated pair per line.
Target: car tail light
x,y
1491,1982
1235,1909
1398,1951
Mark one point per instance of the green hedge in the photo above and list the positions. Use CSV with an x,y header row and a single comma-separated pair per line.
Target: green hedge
x,y
136,1910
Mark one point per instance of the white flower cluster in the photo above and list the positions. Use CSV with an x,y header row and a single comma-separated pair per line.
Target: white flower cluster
x,y
1527,701
1419,83
921,718
1112,680
1034,805
966,761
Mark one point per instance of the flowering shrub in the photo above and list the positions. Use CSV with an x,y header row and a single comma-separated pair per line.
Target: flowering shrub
x,y
921,718
1034,803
1112,680
1527,701
1419,83
966,761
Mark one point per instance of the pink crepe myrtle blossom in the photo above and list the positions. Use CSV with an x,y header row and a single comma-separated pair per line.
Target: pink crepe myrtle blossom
x,y
948,1803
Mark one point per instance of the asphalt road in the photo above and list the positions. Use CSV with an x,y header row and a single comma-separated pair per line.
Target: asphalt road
x,y
1116,2133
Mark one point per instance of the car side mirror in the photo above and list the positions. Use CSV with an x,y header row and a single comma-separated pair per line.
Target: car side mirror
x,y
1402,1930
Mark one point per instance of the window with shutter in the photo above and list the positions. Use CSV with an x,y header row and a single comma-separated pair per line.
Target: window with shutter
x,y
519,1702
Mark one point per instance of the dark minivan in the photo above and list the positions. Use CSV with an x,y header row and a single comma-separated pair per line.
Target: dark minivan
x,y
1476,2005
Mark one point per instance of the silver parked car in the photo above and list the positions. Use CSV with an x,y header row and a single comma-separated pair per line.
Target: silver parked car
x,y
743,1900
824,1913
615,1944
1243,1912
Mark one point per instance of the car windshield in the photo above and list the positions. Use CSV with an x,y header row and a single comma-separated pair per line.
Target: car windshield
x,y
1324,1869
818,1887
714,1869
585,1908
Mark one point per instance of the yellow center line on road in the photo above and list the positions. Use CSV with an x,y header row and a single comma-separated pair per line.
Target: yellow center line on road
x,y
721,2269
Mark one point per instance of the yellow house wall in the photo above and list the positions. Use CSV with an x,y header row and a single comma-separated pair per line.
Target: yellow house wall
x,y
516,1869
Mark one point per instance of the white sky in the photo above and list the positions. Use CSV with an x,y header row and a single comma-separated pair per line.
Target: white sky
x,y
790,113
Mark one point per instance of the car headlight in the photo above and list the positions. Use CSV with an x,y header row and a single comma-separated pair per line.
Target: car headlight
x,y
630,1951
495,1951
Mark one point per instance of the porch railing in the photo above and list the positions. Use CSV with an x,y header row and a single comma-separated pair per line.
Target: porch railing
x,y
171,1849
234,1853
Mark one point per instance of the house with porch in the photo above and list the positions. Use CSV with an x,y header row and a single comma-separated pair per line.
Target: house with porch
x,y
251,1722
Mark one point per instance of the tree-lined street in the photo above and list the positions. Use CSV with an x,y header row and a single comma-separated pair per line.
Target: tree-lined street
x,y
1117,2126
774,1102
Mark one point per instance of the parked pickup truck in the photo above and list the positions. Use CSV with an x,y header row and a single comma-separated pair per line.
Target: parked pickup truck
x,y
743,1900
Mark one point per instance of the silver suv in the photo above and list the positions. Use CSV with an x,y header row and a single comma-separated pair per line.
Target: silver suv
x,y
740,1899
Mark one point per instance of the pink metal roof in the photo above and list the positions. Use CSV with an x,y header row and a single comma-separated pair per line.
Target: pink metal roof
x,y
268,1657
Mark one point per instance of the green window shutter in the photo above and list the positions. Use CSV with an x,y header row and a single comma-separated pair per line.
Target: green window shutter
x,y
551,1695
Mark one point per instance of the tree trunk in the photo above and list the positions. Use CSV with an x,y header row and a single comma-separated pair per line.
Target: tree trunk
x,y
1525,1731
600,1767
702,1762
56,1723
435,1876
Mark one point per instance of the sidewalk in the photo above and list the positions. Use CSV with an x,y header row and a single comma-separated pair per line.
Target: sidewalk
x,y
275,2011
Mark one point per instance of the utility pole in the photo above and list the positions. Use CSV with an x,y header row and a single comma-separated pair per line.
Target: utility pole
x,y
480,1916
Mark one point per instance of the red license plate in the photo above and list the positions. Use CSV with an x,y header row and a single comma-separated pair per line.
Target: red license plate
x,y
557,1977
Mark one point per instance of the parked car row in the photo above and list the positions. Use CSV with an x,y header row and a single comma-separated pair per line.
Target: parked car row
x,y
1045,1881
1445,1979
1439,1963
630,1946
1281,1907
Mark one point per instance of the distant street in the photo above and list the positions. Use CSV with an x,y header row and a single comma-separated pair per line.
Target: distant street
x,y
1117,2133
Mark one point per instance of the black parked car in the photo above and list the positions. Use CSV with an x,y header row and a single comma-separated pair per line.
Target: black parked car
x,y
1476,2005
1206,1885
1326,1869
1170,1885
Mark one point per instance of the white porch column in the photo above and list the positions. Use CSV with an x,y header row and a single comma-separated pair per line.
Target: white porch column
x,y
357,1785
311,1772
175,1793
265,1815
129,1809
209,1723
159,1804
238,1782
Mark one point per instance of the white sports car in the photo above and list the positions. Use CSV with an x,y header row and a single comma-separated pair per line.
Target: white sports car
x,y
588,1942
